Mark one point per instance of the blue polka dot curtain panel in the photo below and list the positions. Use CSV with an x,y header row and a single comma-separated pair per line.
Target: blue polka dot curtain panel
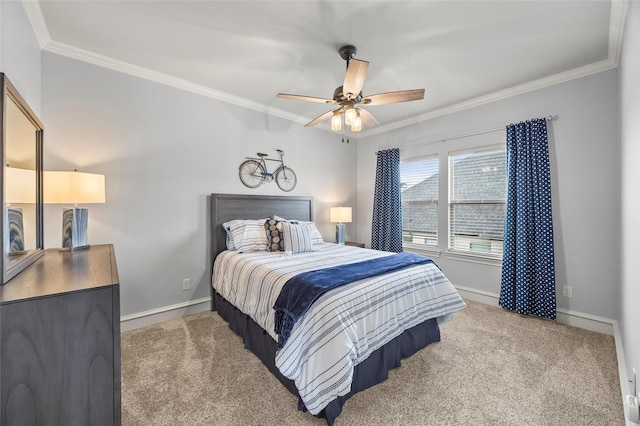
x,y
528,267
386,232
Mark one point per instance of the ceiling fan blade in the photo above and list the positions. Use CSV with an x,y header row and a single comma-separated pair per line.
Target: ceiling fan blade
x,y
306,98
367,118
321,118
354,79
394,97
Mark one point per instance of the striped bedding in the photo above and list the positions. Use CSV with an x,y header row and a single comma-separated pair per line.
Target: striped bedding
x,y
344,326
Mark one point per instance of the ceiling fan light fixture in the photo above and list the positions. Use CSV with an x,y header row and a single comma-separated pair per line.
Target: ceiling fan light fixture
x,y
349,115
336,121
349,95
357,123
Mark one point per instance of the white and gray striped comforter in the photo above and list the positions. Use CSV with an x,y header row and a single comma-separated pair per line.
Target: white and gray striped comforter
x,y
344,326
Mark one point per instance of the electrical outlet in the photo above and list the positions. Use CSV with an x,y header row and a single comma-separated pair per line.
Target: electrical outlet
x,y
631,409
186,283
567,291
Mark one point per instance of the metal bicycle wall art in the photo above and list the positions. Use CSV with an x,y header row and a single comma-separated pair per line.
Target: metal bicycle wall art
x,y
254,172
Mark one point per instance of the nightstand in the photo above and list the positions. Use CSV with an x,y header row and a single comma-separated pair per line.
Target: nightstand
x,y
352,243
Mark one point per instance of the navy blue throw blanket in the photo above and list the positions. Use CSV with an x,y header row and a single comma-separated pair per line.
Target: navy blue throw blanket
x,y
300,291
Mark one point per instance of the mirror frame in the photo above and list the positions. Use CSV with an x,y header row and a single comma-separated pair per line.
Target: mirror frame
x,y
10,94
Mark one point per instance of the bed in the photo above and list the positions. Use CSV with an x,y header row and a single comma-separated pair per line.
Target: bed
x,y
337,348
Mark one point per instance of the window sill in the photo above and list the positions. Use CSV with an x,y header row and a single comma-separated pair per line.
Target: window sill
x,y
473,258
453,255
430,252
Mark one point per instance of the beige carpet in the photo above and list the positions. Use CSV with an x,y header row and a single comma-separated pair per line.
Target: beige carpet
x,y
492,367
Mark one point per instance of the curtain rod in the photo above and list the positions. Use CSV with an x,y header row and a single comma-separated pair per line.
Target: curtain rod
x,y
481,132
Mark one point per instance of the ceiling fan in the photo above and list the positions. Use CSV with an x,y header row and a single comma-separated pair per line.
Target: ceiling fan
x,y
350,98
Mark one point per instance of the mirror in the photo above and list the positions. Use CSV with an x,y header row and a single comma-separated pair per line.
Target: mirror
x,y
22,133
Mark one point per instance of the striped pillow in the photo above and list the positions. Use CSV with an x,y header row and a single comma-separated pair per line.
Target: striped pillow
x,y
229,241
247,235
230,245
297,238
316,237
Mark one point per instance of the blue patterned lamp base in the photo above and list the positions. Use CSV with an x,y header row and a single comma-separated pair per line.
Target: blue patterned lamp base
x,y
15,243
74,228
340,233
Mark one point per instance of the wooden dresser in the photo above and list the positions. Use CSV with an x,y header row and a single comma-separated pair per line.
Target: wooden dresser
x,y
60,341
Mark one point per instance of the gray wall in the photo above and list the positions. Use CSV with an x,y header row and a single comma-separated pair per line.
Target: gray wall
x,y
584,167
163,150
629,193
20,53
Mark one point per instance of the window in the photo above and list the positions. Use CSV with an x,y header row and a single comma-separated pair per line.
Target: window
x,y
477,202
419,193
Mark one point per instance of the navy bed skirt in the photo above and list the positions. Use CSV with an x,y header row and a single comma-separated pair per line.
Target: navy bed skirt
x,y
370,372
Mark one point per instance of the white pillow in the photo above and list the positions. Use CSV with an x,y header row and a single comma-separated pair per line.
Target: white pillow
x,y
297,238
246,234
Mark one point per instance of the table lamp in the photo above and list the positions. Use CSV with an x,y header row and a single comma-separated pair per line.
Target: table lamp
x,y
73,188
340,215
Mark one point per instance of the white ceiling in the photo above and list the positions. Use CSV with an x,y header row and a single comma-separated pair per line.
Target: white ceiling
x,y
463,53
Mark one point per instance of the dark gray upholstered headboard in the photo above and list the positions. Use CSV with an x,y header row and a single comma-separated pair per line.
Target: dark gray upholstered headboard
x,y
225,207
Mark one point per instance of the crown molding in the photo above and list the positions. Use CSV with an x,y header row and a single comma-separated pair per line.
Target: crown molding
x,y
103,61
161,78
36,18
617,17
616,27
542,83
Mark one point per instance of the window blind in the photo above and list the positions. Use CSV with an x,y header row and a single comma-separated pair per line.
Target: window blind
x,y
419,193
477,202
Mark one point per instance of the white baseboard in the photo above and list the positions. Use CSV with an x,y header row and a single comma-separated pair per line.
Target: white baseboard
x,y
564,316
165,313
478,295
625,384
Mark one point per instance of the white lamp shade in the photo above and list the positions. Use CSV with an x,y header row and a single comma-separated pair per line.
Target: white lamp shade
x,y
20,185
340,214
73,188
